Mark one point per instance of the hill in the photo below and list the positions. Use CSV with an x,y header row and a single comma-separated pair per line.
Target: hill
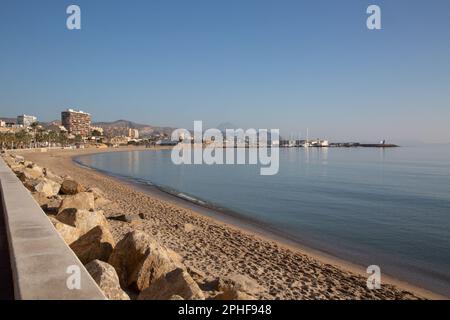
x,y
120,127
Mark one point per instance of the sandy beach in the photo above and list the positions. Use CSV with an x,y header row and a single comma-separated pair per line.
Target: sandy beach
x,y
213,249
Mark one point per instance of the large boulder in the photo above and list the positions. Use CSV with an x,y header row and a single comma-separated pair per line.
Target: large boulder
x,y
10,160
48,187
233,294
96,191
81,201
27,163
49,205
17,168
51,176
177,282
18,158
157,263
35,167
99,197
139,260
106,277
238,287
52,205
40,198
31,183
83,220
70,186
68,233
29,174
97,243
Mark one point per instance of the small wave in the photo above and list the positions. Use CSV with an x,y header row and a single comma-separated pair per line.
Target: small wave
x,y
184,196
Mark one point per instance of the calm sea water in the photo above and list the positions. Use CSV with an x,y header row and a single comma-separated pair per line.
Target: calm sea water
x,y
370,206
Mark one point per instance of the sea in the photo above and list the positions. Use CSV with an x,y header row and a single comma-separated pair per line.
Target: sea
x,y
369,206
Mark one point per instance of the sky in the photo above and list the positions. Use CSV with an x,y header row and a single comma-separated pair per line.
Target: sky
x,y
287,64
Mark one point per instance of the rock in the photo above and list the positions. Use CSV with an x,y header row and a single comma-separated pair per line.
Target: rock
x,y
30,184
106,277
52,205
71,187
196,274
233,294
49,205
81,201
83,220
53,177
139,260
29,174
10,160
17,168
99,197
35,167
176,297
40,198
157,263
19,158
27,164
175,257
129,254
47,187
125,217
235,284
68,233
177,282
96,244
97,192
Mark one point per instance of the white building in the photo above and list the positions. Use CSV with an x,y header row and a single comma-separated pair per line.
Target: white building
x,y
26,120
133,133
2,124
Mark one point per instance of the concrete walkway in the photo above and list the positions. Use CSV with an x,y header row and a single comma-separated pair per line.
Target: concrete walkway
x,y
41,262
6,284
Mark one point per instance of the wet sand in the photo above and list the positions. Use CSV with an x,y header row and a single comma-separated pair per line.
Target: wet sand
x,y
218,245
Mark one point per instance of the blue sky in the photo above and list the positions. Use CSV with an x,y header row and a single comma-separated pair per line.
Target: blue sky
x,y
256,63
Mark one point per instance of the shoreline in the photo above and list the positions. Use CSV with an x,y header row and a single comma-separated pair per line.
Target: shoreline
x,y
232,220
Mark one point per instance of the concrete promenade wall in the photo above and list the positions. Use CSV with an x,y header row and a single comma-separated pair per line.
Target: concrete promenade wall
x,y
39,256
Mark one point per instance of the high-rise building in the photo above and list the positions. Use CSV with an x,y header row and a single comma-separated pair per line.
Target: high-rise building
x,y
76,122
26,120
133,133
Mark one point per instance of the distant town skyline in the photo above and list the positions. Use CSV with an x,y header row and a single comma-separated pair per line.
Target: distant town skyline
x,y
266,64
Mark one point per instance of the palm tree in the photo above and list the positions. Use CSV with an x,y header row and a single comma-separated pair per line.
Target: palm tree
x,y
62,139
52,137
21,138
